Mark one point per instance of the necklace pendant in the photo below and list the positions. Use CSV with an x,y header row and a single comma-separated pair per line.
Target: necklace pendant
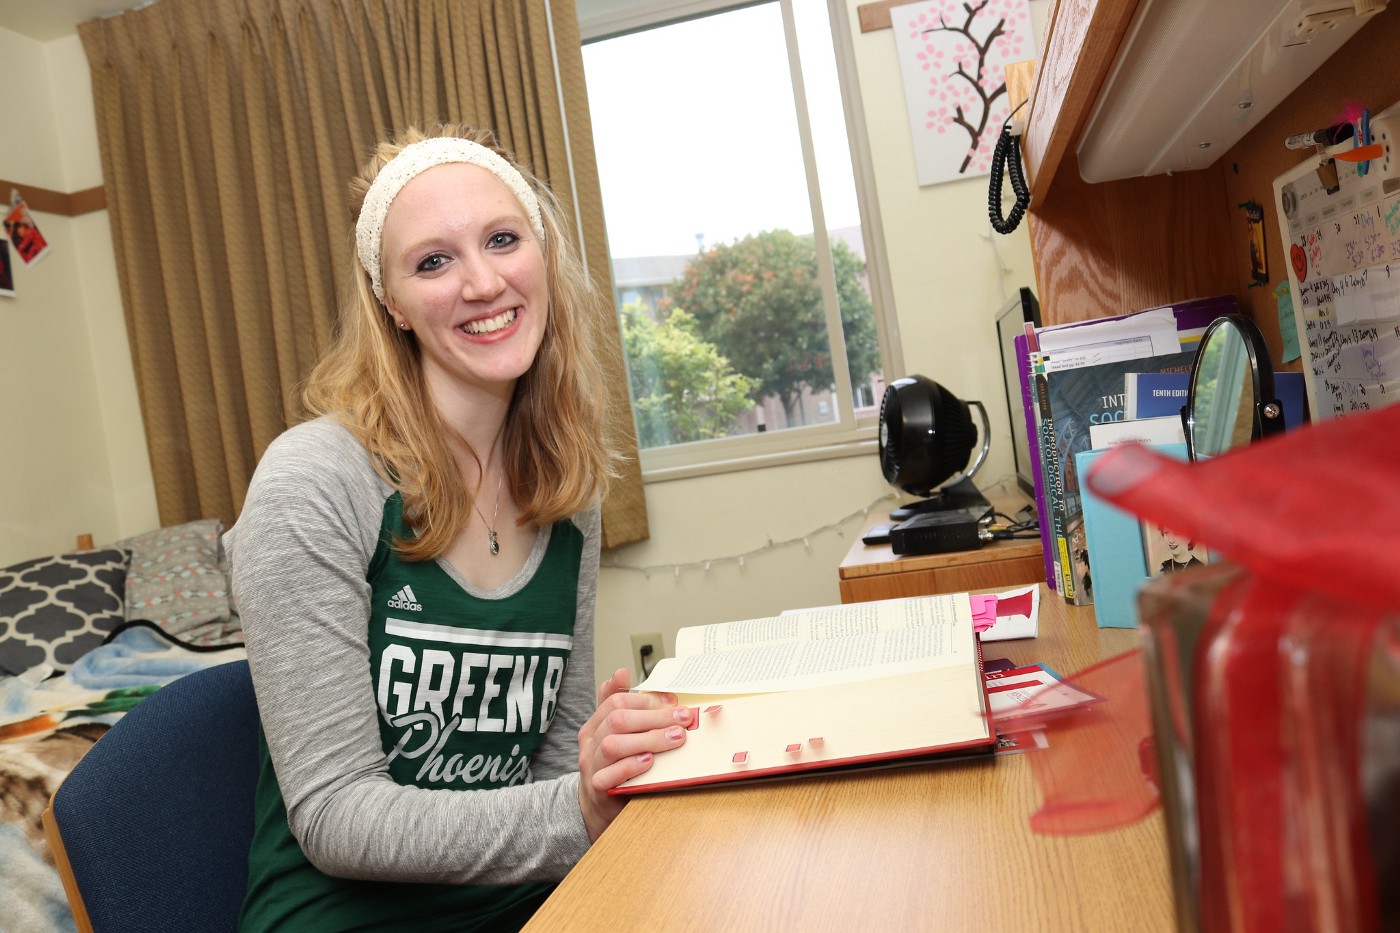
x,y
495,545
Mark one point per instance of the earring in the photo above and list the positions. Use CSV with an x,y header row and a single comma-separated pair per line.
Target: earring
x,y
403,325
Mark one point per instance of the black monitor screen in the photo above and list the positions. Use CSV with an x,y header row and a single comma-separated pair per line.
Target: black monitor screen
x,y
1011,320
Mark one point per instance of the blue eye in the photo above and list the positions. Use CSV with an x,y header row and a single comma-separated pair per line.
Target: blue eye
x,y
502,239
432,263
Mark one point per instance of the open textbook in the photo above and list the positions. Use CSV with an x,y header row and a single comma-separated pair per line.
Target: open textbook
x,y
896,680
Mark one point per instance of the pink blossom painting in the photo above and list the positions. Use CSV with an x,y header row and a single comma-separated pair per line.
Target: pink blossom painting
x,y
953,56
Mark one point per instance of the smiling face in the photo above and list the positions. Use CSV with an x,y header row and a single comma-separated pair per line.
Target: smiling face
x,y
1176,544
464,270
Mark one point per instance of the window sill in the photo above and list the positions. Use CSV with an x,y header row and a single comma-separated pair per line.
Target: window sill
x,y
862,443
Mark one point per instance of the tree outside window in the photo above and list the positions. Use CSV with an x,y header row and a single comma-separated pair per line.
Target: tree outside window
x,y
732,336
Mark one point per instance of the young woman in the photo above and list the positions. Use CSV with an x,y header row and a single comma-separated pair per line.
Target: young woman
x,y
415,571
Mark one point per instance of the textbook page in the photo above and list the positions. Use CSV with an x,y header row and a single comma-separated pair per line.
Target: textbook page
x,y
820,647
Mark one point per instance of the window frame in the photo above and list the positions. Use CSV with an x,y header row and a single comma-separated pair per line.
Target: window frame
x,y
850,435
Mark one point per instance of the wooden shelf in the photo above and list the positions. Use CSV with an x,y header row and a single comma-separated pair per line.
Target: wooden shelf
x,y
1081,40
1122,246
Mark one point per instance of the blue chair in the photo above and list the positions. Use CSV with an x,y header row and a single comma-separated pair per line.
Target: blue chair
x,y
151,829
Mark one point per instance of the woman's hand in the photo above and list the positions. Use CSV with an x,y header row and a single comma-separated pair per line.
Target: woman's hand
x,y
618,742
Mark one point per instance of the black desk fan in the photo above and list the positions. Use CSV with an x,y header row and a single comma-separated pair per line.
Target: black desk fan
x,y
927,436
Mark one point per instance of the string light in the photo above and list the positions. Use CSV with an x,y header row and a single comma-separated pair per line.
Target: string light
x,y
741,559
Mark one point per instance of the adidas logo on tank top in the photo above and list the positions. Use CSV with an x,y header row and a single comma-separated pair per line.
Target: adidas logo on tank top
x,y
404,599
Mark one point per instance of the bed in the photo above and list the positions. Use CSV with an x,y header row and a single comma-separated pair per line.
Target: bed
x,y
84,637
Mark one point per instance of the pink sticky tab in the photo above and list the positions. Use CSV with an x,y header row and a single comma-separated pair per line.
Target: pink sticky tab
x,y
795,747
815,741
741,758
984,612
713,709
694,719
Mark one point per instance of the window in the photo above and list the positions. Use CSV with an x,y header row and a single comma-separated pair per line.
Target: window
x,y
738,253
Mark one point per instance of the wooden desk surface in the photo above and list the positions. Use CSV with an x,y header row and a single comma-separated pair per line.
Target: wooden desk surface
x,y
922,847
875,572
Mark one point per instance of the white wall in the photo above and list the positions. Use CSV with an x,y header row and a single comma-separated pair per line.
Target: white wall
x,y
84,466
74,458
133,491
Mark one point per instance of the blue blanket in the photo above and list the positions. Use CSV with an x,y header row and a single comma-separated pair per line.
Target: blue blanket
x,y
45,727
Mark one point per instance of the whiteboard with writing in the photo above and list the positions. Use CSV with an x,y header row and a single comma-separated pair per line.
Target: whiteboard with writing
x,y
1344,269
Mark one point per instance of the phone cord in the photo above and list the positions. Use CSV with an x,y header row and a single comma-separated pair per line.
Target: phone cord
x,y
1007,154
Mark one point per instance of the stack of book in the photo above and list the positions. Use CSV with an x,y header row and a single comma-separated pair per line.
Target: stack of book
x,y
1091,384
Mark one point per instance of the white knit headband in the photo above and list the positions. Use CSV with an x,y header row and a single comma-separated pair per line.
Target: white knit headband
x,y
412,160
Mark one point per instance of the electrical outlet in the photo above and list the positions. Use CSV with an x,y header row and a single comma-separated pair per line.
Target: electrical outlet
x,y
642,663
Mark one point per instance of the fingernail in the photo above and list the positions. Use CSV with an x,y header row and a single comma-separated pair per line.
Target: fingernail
x,y
682,714
644,758
675,732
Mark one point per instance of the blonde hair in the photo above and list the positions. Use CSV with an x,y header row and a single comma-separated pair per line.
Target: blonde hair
x,y
556,457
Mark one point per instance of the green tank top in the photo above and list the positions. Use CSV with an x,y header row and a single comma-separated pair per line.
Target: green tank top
x,y
466,687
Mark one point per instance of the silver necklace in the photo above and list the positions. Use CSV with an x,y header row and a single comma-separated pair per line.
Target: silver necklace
x,y
491,525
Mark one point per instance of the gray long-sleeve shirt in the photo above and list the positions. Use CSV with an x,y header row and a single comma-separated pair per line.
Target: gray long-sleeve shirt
x,y
300,555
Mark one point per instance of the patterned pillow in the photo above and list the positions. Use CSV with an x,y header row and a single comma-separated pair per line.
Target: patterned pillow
x,y
53,610
177,581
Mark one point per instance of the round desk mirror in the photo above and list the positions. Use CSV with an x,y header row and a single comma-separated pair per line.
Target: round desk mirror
x,y
1231,400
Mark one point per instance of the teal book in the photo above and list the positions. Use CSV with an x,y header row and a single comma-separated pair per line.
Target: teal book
x,y
1117,555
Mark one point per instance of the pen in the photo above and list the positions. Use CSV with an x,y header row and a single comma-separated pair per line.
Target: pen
x,y
1327,136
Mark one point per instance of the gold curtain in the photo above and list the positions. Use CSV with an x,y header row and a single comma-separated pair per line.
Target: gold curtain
x,y
228,132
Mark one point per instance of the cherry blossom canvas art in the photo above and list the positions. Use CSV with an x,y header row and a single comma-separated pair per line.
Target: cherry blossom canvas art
x,y
953,56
